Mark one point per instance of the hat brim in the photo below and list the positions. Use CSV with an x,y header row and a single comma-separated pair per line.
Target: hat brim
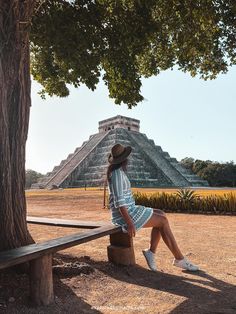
x,y
120,158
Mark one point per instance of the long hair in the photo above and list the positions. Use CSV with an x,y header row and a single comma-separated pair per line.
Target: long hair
x,y
112,167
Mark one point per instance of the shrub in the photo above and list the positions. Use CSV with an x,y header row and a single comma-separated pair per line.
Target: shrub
x,y
188,201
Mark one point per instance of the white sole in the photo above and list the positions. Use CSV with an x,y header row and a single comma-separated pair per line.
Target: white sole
x,y
186,268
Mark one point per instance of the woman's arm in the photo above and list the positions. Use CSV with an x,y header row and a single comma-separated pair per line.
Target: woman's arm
x,y
128,220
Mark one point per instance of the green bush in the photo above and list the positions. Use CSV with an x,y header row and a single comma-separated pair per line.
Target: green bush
x,y
188,201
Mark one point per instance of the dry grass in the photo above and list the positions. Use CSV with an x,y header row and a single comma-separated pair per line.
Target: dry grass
x,y
148,191
199,191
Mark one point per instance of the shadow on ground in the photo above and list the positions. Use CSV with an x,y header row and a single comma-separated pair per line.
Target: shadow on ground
x,y
203,292
14,297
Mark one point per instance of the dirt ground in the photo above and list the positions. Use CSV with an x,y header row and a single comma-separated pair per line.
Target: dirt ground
x,y
85,282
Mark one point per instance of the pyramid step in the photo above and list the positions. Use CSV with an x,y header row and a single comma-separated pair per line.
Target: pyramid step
x,y
154,183
56,168
69,156
97,168
68,167
180,168
43,180
166,155
159,159
109,142
131,175
103,167
37,186
88,176
103,150
91,182
192,176
158,148
77,149
134,183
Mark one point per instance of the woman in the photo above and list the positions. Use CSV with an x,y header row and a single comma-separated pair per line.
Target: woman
x,y
133,217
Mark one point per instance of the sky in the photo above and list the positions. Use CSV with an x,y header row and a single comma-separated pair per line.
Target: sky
x,y
187,117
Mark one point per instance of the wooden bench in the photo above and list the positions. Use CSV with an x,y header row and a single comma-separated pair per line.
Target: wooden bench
x,y
65,223
39,255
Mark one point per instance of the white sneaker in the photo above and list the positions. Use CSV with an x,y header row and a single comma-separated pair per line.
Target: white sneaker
x,y
185,264
150,258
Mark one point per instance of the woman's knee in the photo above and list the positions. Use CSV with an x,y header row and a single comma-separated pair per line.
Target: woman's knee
x,y
164,219
156,220
159,212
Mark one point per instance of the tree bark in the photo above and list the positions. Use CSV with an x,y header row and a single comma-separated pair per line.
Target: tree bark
x,y
41,281
15,102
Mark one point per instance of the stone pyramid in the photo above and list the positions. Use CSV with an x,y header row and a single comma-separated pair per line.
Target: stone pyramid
x,y
149,165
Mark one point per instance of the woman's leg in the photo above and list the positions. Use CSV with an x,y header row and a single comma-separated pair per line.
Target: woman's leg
x,y
156,234
159,221
170,241
155,239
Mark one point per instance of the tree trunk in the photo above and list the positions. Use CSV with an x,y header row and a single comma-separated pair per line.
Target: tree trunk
x,y
15,102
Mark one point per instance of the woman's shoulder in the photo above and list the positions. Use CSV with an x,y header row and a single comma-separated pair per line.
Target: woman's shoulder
x,y
117,170
116,173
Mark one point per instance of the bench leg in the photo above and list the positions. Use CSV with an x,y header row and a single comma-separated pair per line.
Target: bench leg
x,y
121,250
41,280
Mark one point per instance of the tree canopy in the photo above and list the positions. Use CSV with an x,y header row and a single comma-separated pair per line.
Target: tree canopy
x,y
217,174
77,42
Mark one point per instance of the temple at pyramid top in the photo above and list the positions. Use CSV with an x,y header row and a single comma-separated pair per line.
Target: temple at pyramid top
x,y
119,122
149,165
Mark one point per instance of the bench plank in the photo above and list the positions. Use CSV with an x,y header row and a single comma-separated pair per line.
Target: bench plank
x,y
65,223
32,251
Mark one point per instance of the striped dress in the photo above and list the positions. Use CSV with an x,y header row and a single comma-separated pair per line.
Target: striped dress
x,y
120,194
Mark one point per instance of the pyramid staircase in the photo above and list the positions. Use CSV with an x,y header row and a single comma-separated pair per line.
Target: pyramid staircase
x,y
179,175
149,165
67,166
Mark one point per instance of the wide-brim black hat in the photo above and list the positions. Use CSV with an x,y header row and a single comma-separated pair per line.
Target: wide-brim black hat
x,y
119,153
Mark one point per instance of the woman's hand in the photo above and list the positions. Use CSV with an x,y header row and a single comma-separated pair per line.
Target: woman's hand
x,y
131,230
